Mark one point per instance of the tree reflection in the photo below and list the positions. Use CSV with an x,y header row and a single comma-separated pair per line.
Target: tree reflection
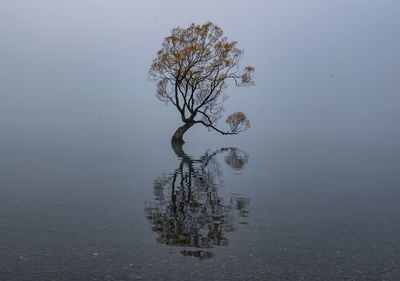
x,y
188,210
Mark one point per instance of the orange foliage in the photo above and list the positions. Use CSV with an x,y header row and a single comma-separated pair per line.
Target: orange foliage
x,y
238,122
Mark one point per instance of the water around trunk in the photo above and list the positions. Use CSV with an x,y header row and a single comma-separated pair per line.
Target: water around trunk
x,y
177,138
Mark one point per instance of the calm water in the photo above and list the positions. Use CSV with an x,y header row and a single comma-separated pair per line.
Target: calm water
x,y
267,211
90,188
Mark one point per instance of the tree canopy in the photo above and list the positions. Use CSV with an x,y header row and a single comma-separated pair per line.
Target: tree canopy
x,y
192,71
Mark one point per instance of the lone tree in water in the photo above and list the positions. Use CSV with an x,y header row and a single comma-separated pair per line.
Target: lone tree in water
x,y
192,70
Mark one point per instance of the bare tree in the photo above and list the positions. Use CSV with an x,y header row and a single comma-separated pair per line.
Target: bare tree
x,y
192,71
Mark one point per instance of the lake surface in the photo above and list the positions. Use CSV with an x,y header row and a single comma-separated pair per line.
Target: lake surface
x,y
277,210
91,189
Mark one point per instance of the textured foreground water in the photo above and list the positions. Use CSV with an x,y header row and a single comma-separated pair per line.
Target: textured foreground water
x,y
272,211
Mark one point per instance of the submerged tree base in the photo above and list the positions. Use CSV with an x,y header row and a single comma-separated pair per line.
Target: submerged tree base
x,y
177,138
177,147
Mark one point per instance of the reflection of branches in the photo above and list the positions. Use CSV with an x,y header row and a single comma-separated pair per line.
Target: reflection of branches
x,y
236,159
187,209
198,254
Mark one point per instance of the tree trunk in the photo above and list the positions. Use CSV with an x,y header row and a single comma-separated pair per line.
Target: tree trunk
x,y
178,149
177,138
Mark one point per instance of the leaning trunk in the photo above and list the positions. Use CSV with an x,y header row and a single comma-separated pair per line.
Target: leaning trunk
x,y
178,149
177,138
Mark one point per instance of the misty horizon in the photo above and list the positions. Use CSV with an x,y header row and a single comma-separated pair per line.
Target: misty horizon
x,y
92,189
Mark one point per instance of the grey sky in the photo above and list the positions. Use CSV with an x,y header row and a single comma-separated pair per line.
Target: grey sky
x,y
325,70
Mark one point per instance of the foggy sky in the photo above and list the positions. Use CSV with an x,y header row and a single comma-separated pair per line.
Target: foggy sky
x,y
325,70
